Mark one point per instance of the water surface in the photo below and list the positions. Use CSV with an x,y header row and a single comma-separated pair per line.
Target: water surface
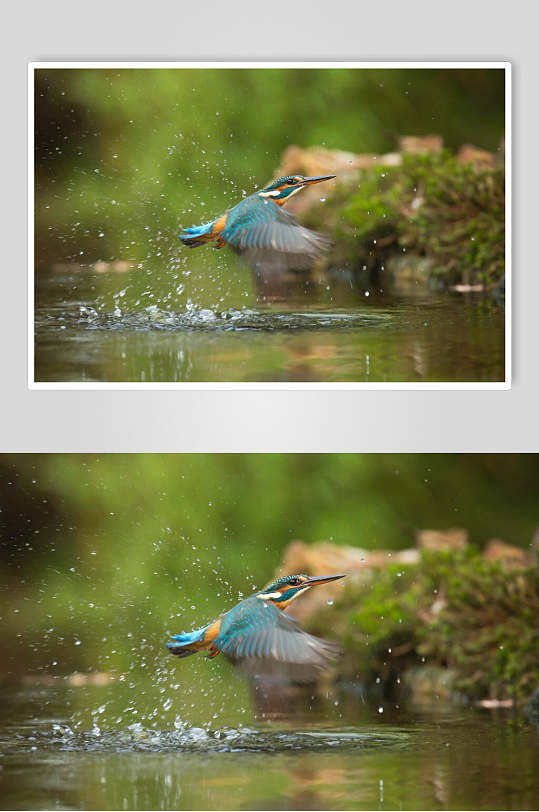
x,y
341,753
117,327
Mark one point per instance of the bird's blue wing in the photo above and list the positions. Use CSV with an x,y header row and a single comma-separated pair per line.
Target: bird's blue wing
x,y
264,233
255,634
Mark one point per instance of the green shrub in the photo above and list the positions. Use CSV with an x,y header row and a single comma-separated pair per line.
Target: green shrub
x,y
430,206
452,609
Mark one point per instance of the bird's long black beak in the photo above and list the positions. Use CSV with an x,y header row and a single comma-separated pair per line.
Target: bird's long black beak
x,y
316,179
322,579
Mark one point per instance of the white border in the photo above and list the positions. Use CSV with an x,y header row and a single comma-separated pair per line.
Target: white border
x,y
188,385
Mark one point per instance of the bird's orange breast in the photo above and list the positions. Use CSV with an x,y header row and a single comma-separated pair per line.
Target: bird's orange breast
x,y
219,225
212,632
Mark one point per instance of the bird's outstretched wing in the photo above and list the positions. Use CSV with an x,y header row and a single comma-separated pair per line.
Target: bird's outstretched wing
x,y
265,641
269,237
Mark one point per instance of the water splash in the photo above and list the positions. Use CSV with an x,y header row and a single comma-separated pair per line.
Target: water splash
x,y
185,738
198,318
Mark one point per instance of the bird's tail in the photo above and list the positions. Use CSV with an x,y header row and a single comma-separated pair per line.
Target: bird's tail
x,y
183,645
196,235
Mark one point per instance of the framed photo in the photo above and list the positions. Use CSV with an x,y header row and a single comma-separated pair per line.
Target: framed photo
x,y
270,225
314,627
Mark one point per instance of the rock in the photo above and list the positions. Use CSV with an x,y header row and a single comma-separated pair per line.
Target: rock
x,y
321,558
421,144
347,165
508,555
325,558
480,158
408,270
494,703
428,682
467,288
455,539
321,161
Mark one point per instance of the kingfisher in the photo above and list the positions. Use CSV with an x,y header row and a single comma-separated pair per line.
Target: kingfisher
x,y
261,231
257,634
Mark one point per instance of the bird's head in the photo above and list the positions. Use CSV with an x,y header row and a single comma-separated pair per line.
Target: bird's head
x,y
282,189
285,589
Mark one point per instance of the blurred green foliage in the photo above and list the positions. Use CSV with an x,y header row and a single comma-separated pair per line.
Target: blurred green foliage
x,y
124,156
455,609
461,223
432,206
102,556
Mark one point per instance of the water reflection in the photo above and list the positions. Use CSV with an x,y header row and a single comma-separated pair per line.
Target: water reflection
x,y
107,327
452,758
283,286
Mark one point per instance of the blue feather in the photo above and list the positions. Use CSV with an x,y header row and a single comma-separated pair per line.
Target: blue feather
x,y
196,231
180,643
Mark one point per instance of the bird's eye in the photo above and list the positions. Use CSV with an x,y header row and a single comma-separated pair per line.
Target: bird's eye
x,y
294,582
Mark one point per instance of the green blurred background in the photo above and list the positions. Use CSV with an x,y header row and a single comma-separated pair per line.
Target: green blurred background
x,y
124,156
103,555
98,547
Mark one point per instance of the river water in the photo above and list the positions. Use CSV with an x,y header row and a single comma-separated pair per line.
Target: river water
x,y
158,327
340,752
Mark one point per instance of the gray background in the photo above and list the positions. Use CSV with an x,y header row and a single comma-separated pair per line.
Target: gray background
x,y
269,420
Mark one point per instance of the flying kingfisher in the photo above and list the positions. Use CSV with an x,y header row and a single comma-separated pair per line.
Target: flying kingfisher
x,y
261,231
257,635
